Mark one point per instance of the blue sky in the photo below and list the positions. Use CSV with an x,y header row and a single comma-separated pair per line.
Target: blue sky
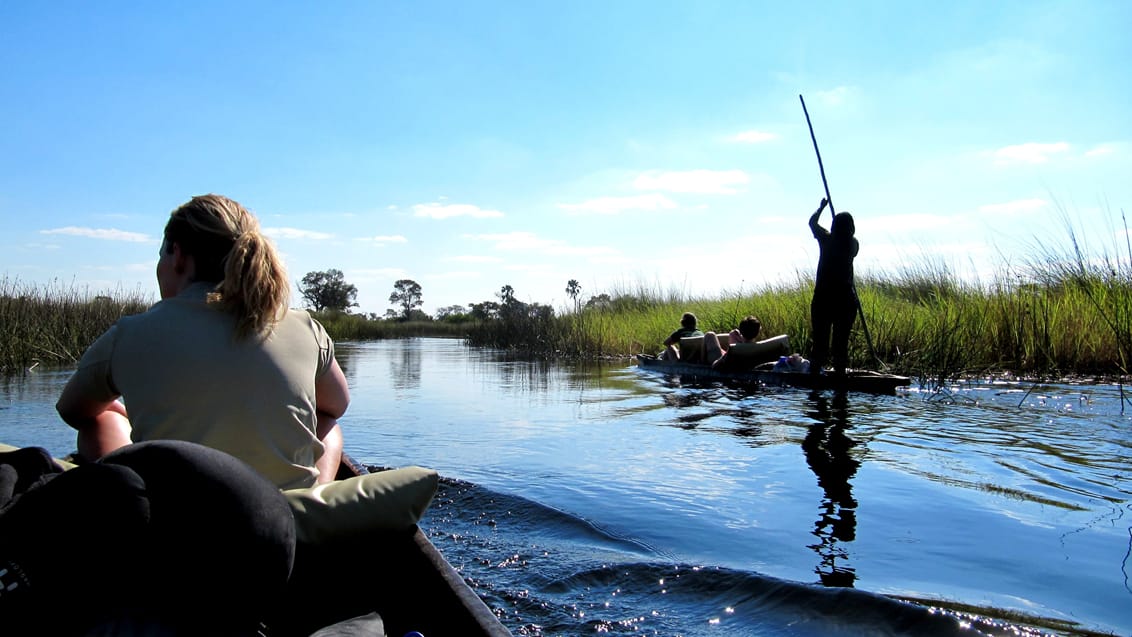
x,y
627,145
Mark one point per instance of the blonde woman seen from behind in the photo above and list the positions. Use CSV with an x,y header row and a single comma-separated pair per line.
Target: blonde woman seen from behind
x,y
220,360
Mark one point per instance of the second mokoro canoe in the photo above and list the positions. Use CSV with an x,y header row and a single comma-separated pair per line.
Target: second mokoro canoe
x,y
854,379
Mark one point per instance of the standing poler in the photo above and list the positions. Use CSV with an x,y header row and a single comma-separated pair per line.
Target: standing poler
x,y
834,306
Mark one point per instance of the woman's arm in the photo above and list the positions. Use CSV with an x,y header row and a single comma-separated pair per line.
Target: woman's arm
x,y
331,436
102,426
332,397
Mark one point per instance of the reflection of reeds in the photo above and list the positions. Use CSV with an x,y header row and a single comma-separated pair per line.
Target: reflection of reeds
x,y
55,323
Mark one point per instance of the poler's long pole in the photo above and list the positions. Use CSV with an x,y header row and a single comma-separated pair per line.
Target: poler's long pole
x,y
817,152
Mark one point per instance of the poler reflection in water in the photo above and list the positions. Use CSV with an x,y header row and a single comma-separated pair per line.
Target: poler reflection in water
x,y
828,452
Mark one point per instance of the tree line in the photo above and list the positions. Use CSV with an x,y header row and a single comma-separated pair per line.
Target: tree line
x,y
328,290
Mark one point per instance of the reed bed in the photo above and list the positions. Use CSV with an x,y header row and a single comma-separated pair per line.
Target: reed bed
x,y
54,324
1055,316
354,327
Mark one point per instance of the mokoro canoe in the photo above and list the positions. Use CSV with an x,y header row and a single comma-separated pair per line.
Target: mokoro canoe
x,y
399,575
854,379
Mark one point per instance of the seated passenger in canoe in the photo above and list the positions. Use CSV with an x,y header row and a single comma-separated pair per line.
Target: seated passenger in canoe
x,y
219,361
747,332
687,330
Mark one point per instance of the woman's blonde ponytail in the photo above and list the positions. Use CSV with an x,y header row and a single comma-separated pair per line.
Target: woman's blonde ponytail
x,y
229,250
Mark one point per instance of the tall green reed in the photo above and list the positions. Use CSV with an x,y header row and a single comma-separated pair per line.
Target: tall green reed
x,y
53,324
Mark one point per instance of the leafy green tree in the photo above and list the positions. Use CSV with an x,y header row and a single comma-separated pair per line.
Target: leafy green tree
x,y
600,302
450,310
328,290
485,311
407,294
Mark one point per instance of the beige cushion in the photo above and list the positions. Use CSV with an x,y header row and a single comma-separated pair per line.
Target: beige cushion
x,y
692,348
765,350
386,500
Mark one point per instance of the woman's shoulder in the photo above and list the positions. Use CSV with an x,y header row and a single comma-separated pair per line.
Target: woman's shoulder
x,y
297,320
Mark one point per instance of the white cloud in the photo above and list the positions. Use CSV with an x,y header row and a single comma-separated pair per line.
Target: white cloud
x,y
615,205
462,274
129,267
1016,207
385,239
720,182
109,234
1101,150
473,259
296,233
1029,153
446,211
835,97
754,137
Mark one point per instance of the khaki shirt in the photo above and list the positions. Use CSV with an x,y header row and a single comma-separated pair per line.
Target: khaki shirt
x,y
183,376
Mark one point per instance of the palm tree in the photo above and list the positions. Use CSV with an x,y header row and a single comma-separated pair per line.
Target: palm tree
x,y
573,288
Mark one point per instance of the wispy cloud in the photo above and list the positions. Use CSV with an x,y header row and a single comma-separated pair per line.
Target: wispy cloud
x,y
616,205
1029,153
1101,150
530,242
721,182
835,97
382,240
447,211
471,258
1016,207
457,275
146,267
108,234
296,233
754,137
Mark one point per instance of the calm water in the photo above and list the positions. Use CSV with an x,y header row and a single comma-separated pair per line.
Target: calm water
x,y
583,499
